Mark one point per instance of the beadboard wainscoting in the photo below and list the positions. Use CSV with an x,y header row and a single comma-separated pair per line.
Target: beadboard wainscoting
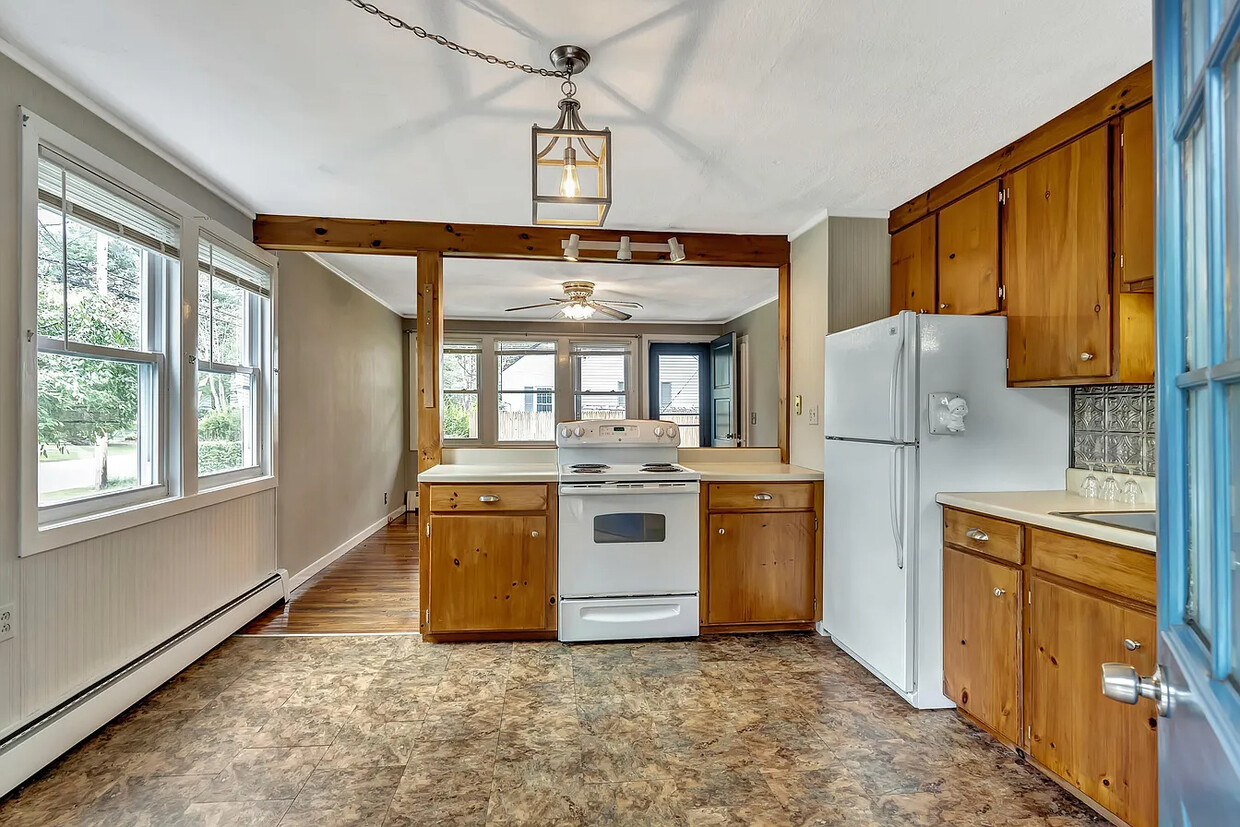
x,y
89,608
1113,428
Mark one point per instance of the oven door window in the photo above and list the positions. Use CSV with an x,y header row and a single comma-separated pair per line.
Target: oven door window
x,y
630,528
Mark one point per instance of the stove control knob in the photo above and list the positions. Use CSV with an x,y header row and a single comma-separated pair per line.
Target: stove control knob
x,y
566,432
579,431
671,431
658,430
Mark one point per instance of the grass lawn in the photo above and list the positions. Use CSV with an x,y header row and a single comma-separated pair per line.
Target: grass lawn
x,y
75,452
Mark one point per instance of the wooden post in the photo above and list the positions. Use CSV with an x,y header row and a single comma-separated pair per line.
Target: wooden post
x,y
785,363
429,345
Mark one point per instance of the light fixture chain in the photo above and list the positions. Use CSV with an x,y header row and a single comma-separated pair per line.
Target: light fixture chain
x,y
397,23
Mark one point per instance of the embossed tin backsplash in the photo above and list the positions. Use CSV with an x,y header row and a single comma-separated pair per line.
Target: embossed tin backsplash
x,y
1113,428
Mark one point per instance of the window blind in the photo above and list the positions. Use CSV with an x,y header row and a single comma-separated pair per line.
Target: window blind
x,y
221,262
86,197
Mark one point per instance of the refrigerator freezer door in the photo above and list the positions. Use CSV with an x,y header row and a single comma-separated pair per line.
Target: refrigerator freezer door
x,y
869,543
870,381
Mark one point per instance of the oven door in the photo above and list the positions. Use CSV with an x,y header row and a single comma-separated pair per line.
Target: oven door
x,y
628,539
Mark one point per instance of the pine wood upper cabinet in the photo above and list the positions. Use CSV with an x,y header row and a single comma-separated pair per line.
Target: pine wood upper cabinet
x,y
969,253
1107,750
1056,259
488,572
981,639
1136,210
912,267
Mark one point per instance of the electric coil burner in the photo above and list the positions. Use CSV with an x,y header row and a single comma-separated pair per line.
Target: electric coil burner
x,y
628,544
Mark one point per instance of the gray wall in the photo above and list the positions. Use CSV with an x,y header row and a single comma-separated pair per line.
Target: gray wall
x,y
342,412
761,327
859,272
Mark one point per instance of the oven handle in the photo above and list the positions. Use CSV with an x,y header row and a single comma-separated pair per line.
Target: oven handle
x,y
622,489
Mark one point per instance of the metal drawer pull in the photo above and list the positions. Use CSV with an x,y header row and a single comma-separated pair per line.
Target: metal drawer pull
x,y
488,498
763,496
1000,592
977,534
1131,645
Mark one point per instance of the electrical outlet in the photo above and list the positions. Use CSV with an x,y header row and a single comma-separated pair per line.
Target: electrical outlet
x,y
8,622
813,415
753,417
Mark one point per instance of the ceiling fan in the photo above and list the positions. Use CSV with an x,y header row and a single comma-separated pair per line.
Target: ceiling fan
x,y
578,303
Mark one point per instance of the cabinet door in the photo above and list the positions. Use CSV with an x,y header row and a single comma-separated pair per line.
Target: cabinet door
x,y
969,253
981,640
761,567
912,267
487,573
1107,750
1136,236
1056,264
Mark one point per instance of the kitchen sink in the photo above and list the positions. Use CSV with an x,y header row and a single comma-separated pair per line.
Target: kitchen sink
x,y
1144,521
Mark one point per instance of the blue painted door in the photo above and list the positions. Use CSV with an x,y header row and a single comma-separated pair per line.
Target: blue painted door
x,y
1197,105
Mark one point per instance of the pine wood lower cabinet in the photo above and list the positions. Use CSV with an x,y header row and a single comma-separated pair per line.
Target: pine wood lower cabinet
x,y
1106,749
761,556
1029,617
981,639
488,575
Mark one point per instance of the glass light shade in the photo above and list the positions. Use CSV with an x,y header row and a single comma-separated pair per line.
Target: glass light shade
x,y
578,312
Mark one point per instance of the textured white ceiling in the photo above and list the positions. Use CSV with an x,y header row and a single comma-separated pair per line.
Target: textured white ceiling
x,y
475,289
728,115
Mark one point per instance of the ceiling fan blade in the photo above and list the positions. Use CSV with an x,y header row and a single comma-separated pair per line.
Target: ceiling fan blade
x,y
610,311
619,304
532,306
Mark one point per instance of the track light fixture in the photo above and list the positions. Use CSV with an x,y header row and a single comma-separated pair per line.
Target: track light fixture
x,y
623,248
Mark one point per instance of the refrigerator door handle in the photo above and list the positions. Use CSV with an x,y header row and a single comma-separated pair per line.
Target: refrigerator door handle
x,y
894,498
897,363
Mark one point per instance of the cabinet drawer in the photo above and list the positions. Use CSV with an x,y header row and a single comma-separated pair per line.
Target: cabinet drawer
x,y
756,496
986,535
1123,571
458,498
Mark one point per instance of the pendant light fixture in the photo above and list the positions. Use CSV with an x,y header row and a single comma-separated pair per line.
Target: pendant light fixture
x,y
571,164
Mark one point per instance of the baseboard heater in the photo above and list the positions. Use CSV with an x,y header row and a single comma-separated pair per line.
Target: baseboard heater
x,y
35,745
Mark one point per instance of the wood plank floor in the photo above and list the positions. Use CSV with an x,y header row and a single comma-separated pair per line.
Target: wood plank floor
x,y
372,589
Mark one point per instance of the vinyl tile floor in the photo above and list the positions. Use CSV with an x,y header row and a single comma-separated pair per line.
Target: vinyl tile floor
x,y
762,729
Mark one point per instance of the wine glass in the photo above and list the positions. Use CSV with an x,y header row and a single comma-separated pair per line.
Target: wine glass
x,y
1131,492
1089,485
1109,490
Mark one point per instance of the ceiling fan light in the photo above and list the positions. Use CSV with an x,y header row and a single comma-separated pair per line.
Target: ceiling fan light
x,y
578,312
676,251
572,247
625,253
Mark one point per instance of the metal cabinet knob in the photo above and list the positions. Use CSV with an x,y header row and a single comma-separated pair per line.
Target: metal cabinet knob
x,y
944,306
977,534
1131,645
1120,682
721,531
533,533
1085,357
488,498
1000,592
762,497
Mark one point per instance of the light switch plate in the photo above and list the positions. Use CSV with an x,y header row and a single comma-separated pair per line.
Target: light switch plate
x,y
813,415
8,622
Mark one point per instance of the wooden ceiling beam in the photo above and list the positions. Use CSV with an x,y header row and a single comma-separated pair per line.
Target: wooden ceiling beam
x,y
496,241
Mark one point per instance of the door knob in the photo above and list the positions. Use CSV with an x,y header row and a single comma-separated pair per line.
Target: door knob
x,y
1120,682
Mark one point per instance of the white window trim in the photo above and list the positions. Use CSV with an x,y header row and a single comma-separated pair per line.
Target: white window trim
x,y
565,385
183,491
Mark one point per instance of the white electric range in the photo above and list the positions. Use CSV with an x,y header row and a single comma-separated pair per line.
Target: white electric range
x,y
628,532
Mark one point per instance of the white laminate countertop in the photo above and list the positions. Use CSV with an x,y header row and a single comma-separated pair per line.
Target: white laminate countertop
x,y
498,472
549,472
1036,507
753,472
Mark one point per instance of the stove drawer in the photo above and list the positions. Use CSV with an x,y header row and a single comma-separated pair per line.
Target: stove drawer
x,y
455,499
761,496
631,618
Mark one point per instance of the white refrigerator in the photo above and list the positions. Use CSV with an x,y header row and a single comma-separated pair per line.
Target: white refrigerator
x,y
888,453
